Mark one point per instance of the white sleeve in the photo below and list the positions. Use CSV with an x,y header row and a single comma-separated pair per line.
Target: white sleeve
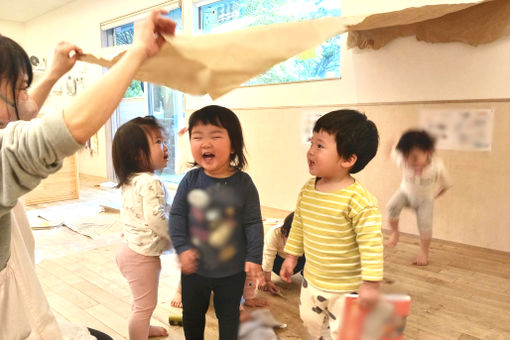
x,y
270,248
155,212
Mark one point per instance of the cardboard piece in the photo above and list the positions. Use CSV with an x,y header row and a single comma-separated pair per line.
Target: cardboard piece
x,y
471,23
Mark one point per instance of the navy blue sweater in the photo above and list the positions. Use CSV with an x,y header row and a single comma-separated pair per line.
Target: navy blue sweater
x,y
220,217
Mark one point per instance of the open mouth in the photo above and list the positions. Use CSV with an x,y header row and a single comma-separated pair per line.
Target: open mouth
x,y
311,163
207,155
165,157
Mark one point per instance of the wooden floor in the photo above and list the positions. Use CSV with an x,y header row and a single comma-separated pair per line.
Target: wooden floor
x,y
463,294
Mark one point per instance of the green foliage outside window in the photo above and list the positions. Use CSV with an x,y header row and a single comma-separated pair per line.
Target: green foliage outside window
x,y
319,63
135,90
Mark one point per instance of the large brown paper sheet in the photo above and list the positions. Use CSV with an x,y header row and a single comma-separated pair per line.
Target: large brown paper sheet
x,y
472,23
218,63
215,64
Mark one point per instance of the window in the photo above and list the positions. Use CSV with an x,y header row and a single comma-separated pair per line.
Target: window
x,y
142,99
123,34
322,62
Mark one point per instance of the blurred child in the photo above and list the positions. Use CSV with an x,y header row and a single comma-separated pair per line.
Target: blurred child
x,y
336,223
138,150
422,172
216,224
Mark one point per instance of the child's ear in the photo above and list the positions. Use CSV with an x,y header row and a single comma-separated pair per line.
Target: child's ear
x,y
349,162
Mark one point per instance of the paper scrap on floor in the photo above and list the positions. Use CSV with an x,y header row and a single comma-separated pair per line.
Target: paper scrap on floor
x,y
88,219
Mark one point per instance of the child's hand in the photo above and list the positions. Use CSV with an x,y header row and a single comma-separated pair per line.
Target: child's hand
x,y
269,286
288,268
256,302
189,261
368,294
254,271
182,131
272,288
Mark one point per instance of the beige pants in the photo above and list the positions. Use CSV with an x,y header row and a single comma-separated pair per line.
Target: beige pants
x,y
321,311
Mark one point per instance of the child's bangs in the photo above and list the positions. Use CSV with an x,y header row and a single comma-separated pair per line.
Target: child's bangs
x,y
205,118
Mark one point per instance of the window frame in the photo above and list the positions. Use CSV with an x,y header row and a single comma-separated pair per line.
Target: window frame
x,y
196,29
107,29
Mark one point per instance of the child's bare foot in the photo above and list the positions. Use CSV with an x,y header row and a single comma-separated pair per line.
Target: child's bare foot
x,y
157,331
422,259
176,300
392,241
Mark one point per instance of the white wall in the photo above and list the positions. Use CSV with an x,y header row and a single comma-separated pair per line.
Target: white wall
x,y
79,22
475,211
13,30
404,70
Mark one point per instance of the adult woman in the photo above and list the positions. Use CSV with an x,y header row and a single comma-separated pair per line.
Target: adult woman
x,y
30,151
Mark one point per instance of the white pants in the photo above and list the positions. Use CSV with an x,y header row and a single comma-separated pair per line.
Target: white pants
x,y
321,311
424,208
24,310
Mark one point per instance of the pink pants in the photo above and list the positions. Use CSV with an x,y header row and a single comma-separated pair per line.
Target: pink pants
x,y
142,274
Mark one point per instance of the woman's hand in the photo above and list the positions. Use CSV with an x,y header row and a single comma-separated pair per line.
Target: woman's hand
x,y
149,34
62,60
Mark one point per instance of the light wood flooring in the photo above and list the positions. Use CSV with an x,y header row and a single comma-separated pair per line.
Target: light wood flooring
x,y
464,293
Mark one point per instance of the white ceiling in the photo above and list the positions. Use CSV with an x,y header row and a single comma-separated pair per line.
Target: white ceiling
x,y
24,10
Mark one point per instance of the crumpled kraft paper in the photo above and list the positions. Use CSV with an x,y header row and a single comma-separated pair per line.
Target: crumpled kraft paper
x,y
475,23
215,64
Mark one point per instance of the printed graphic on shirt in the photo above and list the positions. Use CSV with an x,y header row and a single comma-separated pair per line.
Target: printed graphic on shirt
x,y
213,223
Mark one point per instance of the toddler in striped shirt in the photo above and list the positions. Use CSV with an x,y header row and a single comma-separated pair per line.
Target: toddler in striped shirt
x,y
337,224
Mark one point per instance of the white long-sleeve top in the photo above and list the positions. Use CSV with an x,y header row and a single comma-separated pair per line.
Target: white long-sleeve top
x,y
273,244
144,214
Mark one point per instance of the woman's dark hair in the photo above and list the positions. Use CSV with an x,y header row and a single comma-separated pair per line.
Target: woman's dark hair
x,y
287,224
222,117
14,62
130,147
420,139
354,135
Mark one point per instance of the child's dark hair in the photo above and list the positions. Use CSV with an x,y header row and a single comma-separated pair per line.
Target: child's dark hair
x,y
287,224
354,134
420,139
130,147
222,117
13,63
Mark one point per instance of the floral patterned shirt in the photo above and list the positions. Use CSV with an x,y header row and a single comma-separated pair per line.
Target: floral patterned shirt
x,y
144,214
